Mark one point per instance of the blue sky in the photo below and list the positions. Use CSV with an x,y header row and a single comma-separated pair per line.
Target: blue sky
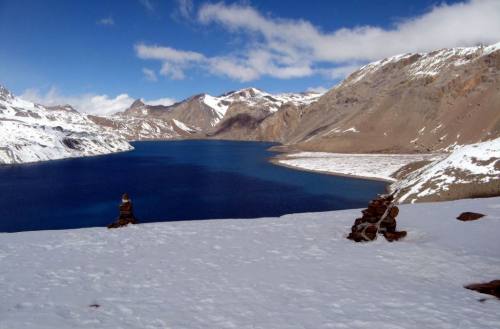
x,y
70,51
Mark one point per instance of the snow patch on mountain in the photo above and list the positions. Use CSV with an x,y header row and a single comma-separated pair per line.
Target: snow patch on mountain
x,y
183,126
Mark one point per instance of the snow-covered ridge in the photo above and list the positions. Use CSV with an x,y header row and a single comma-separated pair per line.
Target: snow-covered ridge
x,y
426,64
254,97
30,132
470,164
181,125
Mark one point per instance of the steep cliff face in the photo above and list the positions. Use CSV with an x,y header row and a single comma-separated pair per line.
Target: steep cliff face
x,y
246,123
408,103
257,115
30,132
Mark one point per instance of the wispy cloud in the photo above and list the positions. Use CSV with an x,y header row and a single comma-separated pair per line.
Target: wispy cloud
x,y
318,89
149,74
285,48
147,4
107,21
88,103
160,101
174,61
185,8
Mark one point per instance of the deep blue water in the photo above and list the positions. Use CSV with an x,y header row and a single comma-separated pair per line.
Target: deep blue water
x,y
182,180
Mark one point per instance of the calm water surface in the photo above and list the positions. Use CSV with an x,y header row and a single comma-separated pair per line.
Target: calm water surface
x,y
184,180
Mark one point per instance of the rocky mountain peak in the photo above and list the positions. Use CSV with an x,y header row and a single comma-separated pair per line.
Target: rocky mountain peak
x,y
5,93
138,107
138,103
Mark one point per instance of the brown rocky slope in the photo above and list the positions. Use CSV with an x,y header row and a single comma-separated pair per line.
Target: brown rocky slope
x,y
408,103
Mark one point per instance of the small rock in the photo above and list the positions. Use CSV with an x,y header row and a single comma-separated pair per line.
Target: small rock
x,y
394,236
469,216
490,288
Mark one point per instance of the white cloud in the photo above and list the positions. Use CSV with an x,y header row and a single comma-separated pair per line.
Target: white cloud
x,y
160,101
167,54
318,89
87,103
460,24
285,48
243,68
107,21
149,74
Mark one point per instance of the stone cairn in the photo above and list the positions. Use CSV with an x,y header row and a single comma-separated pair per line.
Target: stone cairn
x,y
126,213
379,217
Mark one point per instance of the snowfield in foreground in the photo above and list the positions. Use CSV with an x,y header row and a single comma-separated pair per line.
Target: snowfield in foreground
x,y
297,271
378,166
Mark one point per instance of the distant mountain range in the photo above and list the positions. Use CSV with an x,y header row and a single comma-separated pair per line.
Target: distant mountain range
x,y
205,116
409,103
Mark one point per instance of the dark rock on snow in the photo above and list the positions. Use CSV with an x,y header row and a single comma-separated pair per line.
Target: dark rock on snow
x,y
126,213
468,216
490,288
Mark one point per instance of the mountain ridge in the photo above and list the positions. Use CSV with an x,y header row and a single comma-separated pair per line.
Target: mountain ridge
x,y
31,132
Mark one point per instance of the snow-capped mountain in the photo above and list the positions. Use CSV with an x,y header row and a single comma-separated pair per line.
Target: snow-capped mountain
x,y
30,132
199,115
408,103
256,98
469,171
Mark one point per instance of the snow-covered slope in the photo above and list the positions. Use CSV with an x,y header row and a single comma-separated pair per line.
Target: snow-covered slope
x,y
297,271
426,64
471,170
30,132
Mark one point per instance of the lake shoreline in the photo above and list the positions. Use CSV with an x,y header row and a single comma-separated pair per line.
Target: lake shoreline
x,y
276,161
187,180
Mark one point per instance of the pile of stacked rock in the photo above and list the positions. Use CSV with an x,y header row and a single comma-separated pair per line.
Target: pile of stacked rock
x,y
379,217
126,213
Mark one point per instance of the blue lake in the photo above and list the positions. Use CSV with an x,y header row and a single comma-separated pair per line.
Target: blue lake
x,y
176,180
